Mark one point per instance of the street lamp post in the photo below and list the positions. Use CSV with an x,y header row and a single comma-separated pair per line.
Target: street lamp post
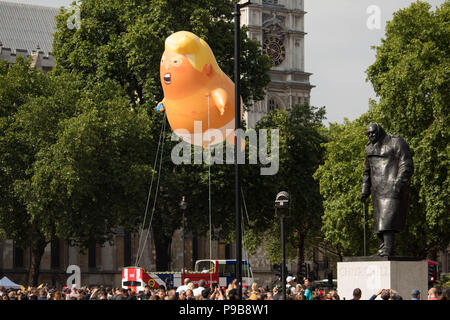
x,y
282,202
237,96
283,256
183,205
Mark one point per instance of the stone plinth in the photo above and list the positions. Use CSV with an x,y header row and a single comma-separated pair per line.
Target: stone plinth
x,y
370,274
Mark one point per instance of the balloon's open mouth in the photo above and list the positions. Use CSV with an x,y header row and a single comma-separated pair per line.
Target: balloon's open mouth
x,y
167,78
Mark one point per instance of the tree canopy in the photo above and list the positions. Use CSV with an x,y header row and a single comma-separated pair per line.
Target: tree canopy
x,y
74,159
340,185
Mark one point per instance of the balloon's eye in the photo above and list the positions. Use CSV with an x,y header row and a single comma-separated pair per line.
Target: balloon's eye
x,y
176,62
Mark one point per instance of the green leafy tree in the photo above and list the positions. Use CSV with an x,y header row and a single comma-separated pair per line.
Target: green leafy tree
x,y
18,85
411,78
340,186
74,159
300,153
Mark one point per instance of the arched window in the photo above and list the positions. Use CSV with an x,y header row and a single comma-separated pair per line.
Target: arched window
x,y
275,102
272,105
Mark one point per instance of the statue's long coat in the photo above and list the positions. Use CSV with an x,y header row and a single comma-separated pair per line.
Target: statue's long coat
x,y
387,172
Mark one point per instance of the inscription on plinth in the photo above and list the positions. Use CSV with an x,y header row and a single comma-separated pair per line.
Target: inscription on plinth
x,y
400,275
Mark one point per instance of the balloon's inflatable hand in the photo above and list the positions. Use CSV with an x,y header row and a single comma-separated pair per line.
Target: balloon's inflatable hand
x,y
220,99
160,107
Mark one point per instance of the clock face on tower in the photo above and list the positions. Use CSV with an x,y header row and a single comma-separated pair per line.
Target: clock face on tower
x,y
274,48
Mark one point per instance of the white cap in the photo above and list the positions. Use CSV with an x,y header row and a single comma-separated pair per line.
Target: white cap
x,y
289,279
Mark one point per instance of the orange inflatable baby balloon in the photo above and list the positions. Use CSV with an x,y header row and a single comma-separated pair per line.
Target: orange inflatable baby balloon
x,y
198,95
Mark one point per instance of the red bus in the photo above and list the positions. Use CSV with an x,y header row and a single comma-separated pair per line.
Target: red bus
x,y
433,273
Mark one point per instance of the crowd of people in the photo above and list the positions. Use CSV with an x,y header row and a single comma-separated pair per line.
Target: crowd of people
x,y
188,291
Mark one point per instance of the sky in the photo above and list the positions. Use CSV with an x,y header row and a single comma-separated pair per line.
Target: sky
x,y
337,49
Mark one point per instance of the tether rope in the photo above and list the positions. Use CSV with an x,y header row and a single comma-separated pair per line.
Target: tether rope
x,y
209,198
141,231
243,232
162,139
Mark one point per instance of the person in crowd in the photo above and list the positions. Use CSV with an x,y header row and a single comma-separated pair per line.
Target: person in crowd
x,y
269,296
357,294
171,294
290,285
201,286
232,295
300,296
299,289
335,296
190,294
385,294
161,293
185,286
308,292
394,295
182,295
415,294
315,295
254,289
254,296
144,295
433,294
217,294
206,293
131,295
42,295
123,294
276,293
73,292
33,295
245,293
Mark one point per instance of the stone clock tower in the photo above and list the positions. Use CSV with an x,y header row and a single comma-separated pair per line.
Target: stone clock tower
x,y
279,26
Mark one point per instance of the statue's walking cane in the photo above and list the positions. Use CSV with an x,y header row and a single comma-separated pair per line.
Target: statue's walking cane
x,y
364,216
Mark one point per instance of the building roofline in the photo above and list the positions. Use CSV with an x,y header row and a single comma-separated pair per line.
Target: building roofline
x,y
290,71
292,83
28,5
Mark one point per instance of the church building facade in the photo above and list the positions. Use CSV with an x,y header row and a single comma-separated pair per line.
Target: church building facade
x,y
279,26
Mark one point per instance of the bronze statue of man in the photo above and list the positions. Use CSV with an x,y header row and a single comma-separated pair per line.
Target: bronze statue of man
x,y
387,173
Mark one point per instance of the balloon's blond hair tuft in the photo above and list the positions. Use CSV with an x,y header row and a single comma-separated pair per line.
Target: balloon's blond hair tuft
x,y
194,48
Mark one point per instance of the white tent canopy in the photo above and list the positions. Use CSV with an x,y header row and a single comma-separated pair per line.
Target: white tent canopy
x,y
5,282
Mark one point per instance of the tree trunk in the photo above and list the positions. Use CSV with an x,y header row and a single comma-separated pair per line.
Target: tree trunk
x,y
300,255
37,251
162,249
